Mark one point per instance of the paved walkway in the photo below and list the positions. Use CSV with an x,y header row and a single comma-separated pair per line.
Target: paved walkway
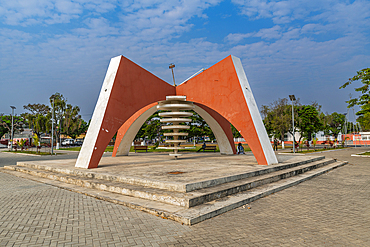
x,y
330,210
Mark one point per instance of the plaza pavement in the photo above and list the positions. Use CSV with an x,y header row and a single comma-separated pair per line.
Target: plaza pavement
x,y
330,210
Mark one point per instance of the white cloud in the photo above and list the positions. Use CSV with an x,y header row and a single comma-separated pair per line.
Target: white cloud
x,y
149,32
237,37
31,12
265,33
159,20
269,33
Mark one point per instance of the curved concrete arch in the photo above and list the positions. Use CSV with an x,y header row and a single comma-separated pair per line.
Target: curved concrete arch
x,y
224,88
126,89
222,91
219,126
129,129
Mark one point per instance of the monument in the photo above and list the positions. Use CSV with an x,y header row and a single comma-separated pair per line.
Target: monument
x,y
130,94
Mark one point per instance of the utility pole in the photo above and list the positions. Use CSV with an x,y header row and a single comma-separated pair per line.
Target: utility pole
x,y
11,140
173,74
52,127
292,98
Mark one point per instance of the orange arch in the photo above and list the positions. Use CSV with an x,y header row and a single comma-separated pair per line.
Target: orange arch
x,y
129,90
126,89
224,88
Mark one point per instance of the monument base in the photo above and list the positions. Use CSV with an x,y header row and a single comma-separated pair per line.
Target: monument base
x,y
188,190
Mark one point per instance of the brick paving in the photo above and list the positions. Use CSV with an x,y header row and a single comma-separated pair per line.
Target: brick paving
x,y
330,210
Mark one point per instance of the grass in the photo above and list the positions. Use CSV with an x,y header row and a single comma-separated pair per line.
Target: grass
x,y
32,152
366,153
71,149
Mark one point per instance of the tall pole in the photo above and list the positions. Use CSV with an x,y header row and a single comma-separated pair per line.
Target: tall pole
x,y
11,134
292,98
173,74
52,127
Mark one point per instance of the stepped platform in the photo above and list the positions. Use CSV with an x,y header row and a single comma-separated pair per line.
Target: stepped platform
x,y
188,190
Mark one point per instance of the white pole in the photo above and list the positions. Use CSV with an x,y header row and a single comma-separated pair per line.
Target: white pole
x,y
293,127
52,128
11,140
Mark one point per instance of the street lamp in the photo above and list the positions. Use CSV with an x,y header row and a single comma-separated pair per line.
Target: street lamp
x,y
52,127
292,98
11,140
173,75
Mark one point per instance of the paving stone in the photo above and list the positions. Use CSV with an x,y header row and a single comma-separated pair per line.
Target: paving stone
x,y
330,210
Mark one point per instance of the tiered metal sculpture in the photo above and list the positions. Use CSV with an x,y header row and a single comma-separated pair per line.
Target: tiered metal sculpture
x,y
175,106
130,94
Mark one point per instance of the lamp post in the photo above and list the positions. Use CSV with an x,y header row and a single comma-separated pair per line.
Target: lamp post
x,y
11,134
52,127
173,75
292,98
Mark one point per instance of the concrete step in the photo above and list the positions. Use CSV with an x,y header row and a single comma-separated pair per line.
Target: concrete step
x,y
213,193
189,199
170,186
211,209
193,215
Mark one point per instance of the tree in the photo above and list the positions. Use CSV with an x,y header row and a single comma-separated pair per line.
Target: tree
x,y
364,99
236,133
308,121
3,129
73,125
334,124
277,117
6,124
151,128
199,127
58,103
38,118
364,121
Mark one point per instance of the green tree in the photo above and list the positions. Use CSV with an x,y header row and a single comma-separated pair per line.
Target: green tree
x,y
199,127
334,123
364,99
6,124
38,118
73,125
277,117
151,128
236,133
308,121
3,128
58,103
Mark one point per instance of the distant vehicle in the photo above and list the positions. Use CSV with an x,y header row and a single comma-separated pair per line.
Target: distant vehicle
x,y
78,143
68,142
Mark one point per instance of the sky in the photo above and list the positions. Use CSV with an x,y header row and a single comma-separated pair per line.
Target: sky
x,y
308,48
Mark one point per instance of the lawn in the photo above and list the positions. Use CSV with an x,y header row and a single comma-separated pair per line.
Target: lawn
x,y
366,153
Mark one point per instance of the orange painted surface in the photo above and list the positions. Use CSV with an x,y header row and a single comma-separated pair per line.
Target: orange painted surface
x,y
134,88
216,90
219,89
122,131
224,123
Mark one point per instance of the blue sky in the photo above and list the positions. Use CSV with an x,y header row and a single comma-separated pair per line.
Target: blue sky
x,y
307,48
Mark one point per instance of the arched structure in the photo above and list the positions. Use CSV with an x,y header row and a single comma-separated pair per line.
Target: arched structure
x,y
219,125
129,95
225,89
127,88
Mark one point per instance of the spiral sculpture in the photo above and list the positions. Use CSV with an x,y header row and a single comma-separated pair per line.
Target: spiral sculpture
x,y
175,114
